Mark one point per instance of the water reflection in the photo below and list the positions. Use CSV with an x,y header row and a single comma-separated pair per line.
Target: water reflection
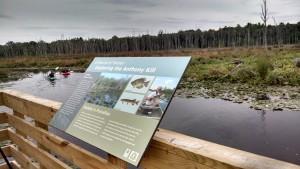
x,y
262,114
52,83
237,126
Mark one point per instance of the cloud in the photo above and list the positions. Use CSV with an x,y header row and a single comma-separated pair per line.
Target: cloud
x,y
216,21
167,82
127,11
104,18
53,28
3,16
134,3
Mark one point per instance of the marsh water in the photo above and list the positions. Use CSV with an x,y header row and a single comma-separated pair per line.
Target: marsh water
x,y
274,134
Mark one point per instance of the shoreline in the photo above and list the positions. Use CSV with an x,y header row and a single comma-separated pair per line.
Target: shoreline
x,y
260,97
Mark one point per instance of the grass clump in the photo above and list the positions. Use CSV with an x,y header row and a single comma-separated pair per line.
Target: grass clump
x,y
244,74
263,65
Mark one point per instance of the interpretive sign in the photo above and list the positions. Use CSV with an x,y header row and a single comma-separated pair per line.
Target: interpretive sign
x,y
120,102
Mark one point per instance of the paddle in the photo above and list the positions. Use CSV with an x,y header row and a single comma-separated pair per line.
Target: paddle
x,y
56,70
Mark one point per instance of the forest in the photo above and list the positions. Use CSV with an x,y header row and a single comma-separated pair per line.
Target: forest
x,y
249,35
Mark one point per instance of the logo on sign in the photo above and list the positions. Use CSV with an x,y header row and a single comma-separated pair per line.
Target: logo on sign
x,y
131,155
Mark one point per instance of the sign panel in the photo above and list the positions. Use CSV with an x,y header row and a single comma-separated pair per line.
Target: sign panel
x,y
120,102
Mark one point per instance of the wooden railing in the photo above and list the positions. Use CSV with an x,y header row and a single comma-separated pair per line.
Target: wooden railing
x,y
33,146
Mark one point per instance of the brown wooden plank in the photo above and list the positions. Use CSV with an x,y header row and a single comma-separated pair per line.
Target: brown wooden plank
x,y
41,110
23,159
4,166
45,127
32,150
3,135
211,154
156,158
117,162
20,115
168,150
67,150
3,118
15,165
6,151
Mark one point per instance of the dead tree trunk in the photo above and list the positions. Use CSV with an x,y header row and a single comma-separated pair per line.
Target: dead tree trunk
x,y
264,18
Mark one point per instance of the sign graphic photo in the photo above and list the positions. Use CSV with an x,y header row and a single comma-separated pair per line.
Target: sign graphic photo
x,y
120,102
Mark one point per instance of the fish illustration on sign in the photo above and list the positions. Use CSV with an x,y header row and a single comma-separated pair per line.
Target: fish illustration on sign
x,y
140,83
131,101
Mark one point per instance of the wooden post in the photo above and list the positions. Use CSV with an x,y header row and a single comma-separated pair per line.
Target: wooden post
x,y
3,118
45,127
3,135
20,115
6,151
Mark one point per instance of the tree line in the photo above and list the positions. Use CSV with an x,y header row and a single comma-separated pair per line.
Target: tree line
x,y
247,36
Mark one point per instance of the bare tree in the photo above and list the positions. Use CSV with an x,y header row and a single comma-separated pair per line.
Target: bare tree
x,y
263,15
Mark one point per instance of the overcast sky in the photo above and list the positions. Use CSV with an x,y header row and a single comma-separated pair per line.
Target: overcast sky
x,y
49,20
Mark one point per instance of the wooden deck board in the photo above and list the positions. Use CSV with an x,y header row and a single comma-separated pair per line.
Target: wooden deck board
x,y
23,159
39,154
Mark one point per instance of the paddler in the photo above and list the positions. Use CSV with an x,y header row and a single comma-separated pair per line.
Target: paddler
x,y
51,74
65,70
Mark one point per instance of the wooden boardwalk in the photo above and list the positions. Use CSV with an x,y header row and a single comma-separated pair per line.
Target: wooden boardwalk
x,y
32,144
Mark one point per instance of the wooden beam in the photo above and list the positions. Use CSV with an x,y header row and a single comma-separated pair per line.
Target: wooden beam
x,y
117,162
3,135
15,165
157,158
210,154
3,118
20,115
23,159
6,151
45,127
67,150
4,166
31,149
42,110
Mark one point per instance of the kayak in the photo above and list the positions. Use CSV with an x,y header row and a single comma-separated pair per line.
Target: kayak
x,y
65,73
51,78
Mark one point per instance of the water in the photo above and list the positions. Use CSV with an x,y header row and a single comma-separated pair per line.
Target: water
x,y
38,85
270,133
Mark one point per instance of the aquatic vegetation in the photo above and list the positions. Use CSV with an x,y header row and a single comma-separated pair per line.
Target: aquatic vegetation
x,y
3,73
